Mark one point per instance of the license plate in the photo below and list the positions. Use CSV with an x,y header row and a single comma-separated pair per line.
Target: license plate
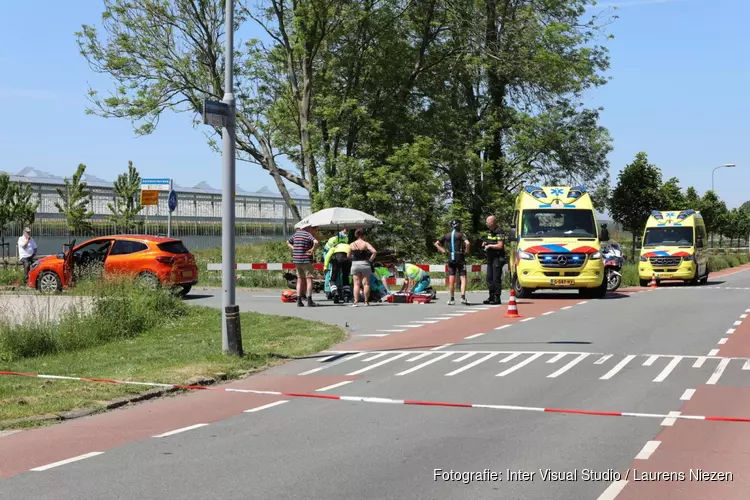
x,y
563,282
187,274
665,276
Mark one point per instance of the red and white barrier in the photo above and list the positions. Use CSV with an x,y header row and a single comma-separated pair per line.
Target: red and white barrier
x,y
430,268
365,399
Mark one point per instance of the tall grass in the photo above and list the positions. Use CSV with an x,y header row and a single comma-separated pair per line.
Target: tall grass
x,y
112,310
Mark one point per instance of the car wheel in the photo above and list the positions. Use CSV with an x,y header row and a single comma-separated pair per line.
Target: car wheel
x,y
49,282
149,280
521,292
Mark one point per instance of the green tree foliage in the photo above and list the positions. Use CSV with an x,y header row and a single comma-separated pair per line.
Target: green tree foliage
x,y
737,225
16,204
637,193
715,213
74,203
343,88
692,199
127,203
671,196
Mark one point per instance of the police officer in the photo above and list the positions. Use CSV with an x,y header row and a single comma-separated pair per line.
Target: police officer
x,y
494,246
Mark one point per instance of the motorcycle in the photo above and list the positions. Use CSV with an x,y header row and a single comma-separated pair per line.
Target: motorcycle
x,y
613,262
291,281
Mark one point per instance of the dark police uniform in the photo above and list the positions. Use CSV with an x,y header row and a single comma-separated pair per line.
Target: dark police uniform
x,y
496,259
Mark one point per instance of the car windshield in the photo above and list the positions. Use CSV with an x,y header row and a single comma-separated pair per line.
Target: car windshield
x,y
564,223
668,236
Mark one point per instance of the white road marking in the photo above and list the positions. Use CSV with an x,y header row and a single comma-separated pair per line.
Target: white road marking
x,y
613,490
67,461
473,336
668,369
425,322
746,366
737,323
699,362
723,341
326,358
568,366
557,357
372,358
415,368
392,331
177,431
584,302
619,366
338,361
519,365
472,364
718,372
601,360
743,316
687,394
502,327
730,331
472,311
510,356
334,385
713,352
277,403
527,319
650,360
415,358
566,307
465,356
374,335
439,319
670,421
441,346
367,368
454,315
647,450
408,326
548,313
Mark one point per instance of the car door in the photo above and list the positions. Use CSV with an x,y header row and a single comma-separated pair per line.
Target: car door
x,y
120,261
89,258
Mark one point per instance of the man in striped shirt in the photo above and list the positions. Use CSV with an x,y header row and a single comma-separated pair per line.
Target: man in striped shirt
x,y
303,245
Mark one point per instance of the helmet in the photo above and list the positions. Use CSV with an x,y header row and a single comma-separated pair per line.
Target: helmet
x,y
455,224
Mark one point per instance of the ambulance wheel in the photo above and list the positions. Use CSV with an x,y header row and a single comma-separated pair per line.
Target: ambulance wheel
x,y
644,283
521,292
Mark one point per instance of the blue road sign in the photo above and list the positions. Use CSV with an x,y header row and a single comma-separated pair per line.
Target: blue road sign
x,y
172,200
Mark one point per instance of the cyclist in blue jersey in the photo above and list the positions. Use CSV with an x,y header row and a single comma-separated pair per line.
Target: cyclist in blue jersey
x,y
456,244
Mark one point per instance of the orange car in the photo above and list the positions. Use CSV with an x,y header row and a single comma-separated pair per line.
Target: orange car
x,y
153,259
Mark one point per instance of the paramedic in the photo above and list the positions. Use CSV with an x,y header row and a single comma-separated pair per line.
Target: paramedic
x,y
340,263
417,280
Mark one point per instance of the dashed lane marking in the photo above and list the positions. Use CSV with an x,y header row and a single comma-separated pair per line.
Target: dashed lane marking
x,y
669,421
502,327
613,490
687,394
374,335
730,331
648,449
392,331
275,403
716,375
723,341
425,322
408,326
713,352
67,461
474,336
442,346
333,386
178,431
746,366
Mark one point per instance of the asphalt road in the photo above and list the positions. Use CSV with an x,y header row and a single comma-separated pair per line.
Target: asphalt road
x,y
673,351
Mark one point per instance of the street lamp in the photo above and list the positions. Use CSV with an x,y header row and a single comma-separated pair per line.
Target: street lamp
x,y
727,165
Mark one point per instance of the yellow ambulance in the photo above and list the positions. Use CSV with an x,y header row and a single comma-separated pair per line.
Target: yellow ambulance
x,y
555,242
674,248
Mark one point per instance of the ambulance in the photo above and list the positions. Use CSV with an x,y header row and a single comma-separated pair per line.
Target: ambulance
x,y
673,248
556,243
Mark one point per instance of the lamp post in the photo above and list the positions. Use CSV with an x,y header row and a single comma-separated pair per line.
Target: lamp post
x,y
727,165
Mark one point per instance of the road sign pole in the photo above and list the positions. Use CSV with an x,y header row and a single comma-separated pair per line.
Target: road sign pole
x,y
169,213
227,219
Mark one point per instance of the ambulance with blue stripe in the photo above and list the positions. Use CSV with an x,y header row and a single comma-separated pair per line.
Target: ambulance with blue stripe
x,y
673,248
555,242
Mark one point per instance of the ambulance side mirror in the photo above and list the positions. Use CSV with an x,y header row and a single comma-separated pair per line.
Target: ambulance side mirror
x,y
512,233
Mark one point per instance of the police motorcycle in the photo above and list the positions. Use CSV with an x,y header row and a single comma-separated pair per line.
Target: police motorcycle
x,y
613,263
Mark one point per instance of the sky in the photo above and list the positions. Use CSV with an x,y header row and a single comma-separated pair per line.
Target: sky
x,y
680,74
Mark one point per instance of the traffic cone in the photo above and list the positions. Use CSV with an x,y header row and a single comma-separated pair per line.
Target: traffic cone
x,y
512,308
653,281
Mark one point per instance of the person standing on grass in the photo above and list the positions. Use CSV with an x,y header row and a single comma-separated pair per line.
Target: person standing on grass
x,y
362,255
303,245
494,246
457,244
26,252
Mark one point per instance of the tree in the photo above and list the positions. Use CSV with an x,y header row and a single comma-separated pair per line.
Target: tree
x,y
692,199
16,204
74,203
636,195
714,212
737,226
127,199
7,195
746,206
671,196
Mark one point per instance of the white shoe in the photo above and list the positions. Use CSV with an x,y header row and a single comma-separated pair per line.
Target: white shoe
x,y
451,302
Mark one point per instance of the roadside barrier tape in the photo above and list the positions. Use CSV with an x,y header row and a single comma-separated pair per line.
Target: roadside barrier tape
x,y
366,399
276,266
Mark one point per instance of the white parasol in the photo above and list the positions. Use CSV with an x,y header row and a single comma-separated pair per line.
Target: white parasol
x,y
338,218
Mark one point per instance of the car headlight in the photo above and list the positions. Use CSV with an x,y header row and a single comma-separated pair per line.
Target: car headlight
x,y
525,255
596,256
644,259
687,258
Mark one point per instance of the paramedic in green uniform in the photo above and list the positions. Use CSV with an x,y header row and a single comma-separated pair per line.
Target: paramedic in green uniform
x,y
417,280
